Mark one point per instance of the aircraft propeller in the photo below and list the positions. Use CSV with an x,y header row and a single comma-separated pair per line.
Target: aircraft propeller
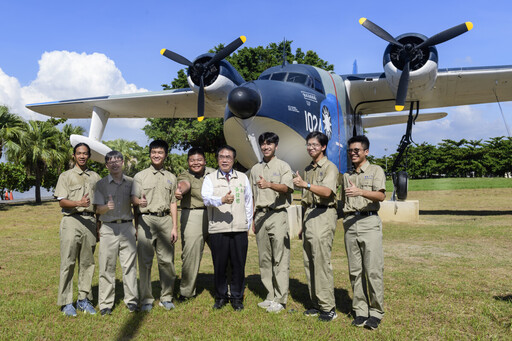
x,y
409,52
200,68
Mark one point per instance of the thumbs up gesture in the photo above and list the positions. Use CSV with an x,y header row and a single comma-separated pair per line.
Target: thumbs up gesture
x,y
143,201
178,193
85,201
228,198
298,182
110,202
262,183
352,190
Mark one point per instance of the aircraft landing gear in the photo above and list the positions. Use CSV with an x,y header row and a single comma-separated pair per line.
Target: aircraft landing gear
x,y
400,178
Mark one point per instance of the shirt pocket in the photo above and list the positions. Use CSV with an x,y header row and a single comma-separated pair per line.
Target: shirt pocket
x,y
76,192
367,184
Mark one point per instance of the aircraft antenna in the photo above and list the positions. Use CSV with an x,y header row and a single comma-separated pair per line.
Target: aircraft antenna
x,y
284,52
501,110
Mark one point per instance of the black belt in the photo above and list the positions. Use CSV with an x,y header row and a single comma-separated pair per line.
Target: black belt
x,y
118,221
88,214
269,209
193,208
157,214
362,213
320,206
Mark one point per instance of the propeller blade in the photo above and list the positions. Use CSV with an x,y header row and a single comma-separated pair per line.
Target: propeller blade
x,y
446,35
176,57
200,101
403,85
378,31
226,51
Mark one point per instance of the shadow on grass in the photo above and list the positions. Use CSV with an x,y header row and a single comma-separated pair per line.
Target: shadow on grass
x,y
507,298
482,213
255,286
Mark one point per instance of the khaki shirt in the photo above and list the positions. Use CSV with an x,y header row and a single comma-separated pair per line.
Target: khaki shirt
x,y
324,173
193,198
73,184
370,178
275,171
158,186
121,195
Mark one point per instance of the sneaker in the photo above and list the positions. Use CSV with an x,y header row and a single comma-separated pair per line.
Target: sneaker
x,y
167,305
146,307
275,307
132,307
219,303
69,310
105,311
372,323
85,306
359,321
328,316
265,304
237,305
312,312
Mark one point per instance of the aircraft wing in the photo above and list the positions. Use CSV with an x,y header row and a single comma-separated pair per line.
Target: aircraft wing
x,y
179,103
372,121
370,93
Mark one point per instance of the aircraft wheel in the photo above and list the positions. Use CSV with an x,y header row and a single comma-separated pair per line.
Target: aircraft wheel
x,y
401,184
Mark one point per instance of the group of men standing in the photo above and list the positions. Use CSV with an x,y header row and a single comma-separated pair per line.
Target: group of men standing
x,y
219,207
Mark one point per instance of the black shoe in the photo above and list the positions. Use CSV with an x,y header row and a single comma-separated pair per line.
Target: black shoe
x,y
327,316
237,305
219,303
312,312
105,311
183,299
359,321
132,307
372,323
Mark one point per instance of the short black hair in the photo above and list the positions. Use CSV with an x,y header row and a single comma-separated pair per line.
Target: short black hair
x,y
80,145
321,137
361,139
268,137
113,154
195,151
226,147
159,144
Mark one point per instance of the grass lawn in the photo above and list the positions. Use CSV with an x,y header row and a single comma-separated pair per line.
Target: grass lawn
x,y
449,276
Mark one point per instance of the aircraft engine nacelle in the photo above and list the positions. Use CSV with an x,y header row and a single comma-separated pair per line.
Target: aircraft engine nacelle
x,y
423,66
219,79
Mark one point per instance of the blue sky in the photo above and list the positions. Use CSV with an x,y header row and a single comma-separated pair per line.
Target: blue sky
x,y
55,50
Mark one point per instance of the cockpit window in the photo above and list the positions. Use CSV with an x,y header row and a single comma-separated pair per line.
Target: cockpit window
x,y
267,76
294,77
278,76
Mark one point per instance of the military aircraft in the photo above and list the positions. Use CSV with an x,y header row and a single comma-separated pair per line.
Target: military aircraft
x,y
293,100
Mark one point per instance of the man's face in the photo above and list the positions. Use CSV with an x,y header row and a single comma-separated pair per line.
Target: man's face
x,y
157,156
226,160
81,156
196,163
357,153
314,148
268,150
115,166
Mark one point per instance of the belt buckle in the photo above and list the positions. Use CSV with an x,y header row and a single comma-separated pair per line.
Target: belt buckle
x,y
118,221
357,213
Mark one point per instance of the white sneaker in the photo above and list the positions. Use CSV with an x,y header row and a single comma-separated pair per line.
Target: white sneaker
x,y
265,304
275,307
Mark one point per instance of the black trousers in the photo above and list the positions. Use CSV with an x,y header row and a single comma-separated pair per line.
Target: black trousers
x,y
229,248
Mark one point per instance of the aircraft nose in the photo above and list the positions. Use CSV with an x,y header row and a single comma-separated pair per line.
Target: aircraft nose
x,y
244,102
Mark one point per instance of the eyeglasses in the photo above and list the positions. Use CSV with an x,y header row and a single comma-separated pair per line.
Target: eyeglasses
x,y
313,145
355,150
117,162
225,157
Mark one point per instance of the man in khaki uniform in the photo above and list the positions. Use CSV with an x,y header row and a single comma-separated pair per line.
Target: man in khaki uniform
x,y
194,220
75,191
363,188
272,186
153,192
319,224
117,235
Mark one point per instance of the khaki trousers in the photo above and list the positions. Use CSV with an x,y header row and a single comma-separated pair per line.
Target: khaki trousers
x,y
363,242
117,239
318,235
273,242
194,233
154,235
77,241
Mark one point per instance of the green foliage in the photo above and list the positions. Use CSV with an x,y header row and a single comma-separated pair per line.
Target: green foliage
x,y
9,126
13,178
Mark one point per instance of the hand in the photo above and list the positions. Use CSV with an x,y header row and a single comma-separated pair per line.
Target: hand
x,y
85,201
228,198
142,201
300,234
298,182
353,191
174,235
178,193
253,227
110,203
262,183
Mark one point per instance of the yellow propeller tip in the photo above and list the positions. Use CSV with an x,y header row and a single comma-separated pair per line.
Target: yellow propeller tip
x,y
362,20
200,118
399,107
162,51
469,25
243,38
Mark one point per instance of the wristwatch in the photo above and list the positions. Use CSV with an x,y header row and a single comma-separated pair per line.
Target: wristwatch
x,y
309,186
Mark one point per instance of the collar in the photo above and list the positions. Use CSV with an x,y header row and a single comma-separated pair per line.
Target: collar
x,y
232,174
320,163
270,163
154,170
111,179
79,171
363,168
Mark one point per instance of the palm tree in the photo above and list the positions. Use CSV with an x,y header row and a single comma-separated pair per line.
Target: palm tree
x,y
38,147
10,125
